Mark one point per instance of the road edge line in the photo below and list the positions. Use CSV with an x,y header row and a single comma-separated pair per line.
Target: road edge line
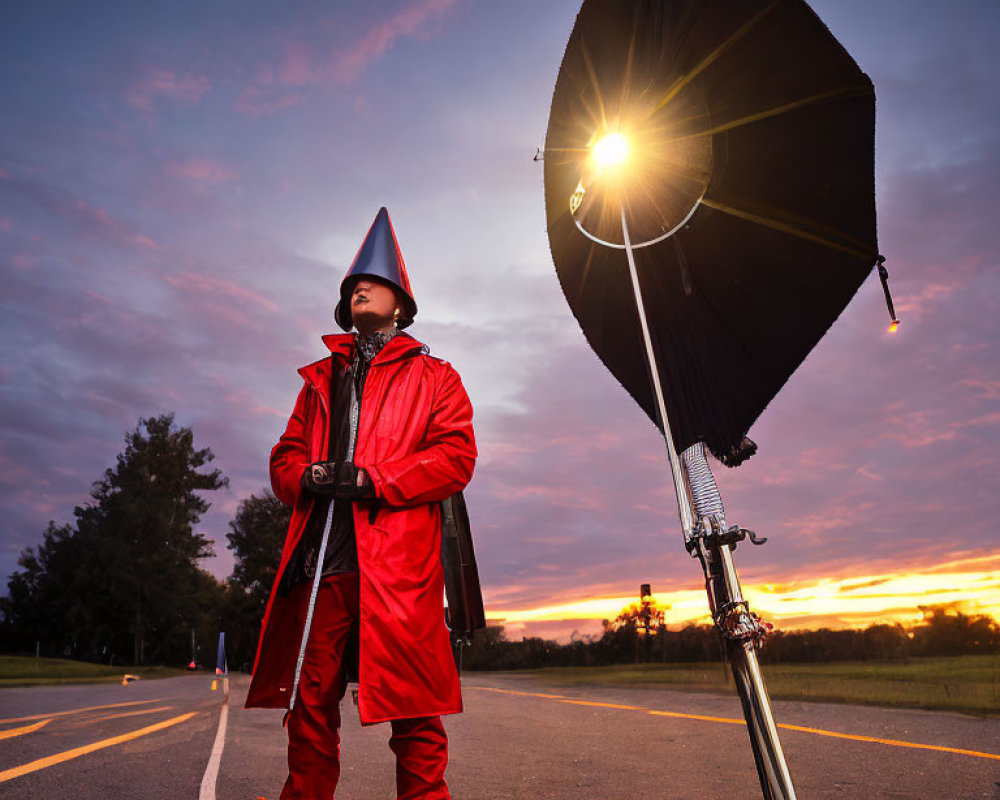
x,y
207,791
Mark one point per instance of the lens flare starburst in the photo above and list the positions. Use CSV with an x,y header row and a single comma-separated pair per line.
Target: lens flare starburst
x,y
610,151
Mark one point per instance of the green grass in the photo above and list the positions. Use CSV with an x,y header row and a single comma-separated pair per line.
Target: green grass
x,y
969,684
28,671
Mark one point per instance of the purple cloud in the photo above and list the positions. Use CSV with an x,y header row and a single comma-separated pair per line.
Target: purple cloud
x,y
199,169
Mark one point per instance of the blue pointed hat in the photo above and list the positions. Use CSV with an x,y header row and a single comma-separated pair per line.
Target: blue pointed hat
x,y
378,258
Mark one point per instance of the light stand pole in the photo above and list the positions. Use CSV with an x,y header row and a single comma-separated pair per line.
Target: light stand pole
x,y
712,543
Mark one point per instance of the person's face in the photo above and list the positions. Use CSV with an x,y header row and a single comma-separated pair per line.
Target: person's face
x,y
373,306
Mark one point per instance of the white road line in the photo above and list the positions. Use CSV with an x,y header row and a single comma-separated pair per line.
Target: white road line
x,y
212,770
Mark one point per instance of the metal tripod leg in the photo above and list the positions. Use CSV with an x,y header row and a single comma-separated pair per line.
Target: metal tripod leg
x,y
706,536
740,631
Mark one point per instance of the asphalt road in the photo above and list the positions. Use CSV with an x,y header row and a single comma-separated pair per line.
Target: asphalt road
x,y
518,738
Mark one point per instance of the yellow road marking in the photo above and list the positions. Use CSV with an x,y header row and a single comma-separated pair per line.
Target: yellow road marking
x,y
76,752
79,710
86,722
7,734
893,742
730,721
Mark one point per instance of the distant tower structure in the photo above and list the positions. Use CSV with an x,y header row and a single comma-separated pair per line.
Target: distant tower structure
x,y
647,608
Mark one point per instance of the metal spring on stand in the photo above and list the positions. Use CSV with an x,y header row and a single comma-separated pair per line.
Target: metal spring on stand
x,y
705,495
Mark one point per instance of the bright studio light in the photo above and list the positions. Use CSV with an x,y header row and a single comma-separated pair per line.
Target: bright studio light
x,y
610,151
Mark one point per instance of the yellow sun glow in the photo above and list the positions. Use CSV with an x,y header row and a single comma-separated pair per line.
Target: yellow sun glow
x,y
972,585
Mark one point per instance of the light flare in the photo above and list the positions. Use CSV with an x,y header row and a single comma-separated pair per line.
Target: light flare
x,y
610,151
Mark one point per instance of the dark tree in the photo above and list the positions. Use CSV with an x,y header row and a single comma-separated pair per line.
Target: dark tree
x,y
148,503
256,535
125,583
40,604
946,630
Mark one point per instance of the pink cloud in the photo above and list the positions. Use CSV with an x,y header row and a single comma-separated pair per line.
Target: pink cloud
x,y
986,390
832,518
145,241
294,68
256,101
4,173
13,472
22,262
194,282
554,496
108,227
347,66
300,66
5,224
155,83
915,428
200,169
240,397
821,458
918,303
91,223
984,420
44,508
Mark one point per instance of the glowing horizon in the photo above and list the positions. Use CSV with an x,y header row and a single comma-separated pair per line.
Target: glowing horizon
x,y
969,585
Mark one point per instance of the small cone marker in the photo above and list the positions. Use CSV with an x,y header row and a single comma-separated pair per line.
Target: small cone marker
x,y
215,685
221,667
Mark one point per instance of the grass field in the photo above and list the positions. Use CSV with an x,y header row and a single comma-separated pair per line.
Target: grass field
x,y
970,684
28,671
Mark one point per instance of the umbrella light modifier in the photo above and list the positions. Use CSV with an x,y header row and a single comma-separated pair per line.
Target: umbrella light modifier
x,y
710,202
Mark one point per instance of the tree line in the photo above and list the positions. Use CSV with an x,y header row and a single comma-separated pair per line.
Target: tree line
x,y
631,639
122,584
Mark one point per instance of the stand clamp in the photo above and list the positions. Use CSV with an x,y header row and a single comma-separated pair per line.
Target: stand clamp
x,y
710,531
738,623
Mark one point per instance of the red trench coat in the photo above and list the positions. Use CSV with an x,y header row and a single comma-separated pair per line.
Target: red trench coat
x,y
415,439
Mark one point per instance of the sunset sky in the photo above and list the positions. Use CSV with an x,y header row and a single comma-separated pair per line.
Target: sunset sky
x,y
182,186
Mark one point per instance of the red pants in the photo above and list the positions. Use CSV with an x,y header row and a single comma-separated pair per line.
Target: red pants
x,y
420,744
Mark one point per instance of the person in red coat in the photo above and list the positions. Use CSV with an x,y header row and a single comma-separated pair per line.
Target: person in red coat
x,y
381,433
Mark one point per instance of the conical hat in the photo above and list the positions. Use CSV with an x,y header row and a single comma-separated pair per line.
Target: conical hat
x,y
379,258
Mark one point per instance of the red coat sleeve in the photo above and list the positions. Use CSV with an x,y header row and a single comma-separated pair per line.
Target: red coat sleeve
x,y
443,464
290,456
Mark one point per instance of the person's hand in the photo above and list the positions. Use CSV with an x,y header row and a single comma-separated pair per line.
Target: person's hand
x,y
318,478
341,479
353,482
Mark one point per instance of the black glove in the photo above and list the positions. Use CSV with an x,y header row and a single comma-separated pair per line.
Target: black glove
x,y
340,479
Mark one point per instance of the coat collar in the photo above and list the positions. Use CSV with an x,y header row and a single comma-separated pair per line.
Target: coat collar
x,y
341,346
